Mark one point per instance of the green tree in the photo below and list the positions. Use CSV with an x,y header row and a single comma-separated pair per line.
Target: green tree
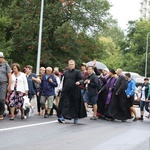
x,y
111,54
77,46
81,16
110,40
135,47
5,41
113,31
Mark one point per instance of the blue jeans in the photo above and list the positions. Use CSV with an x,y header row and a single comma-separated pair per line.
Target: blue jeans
x,y
84,94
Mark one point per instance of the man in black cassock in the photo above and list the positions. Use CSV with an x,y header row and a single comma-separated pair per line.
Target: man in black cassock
x,y
71,104
119,108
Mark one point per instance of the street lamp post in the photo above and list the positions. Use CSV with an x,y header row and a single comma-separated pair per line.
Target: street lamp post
x,y
40,38
146,54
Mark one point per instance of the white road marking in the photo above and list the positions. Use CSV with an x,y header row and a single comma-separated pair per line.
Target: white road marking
x,y
26,126
31,125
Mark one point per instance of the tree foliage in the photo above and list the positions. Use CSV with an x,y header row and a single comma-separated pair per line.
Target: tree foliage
x,y
135,46
81,30
112,55
65,27
5,41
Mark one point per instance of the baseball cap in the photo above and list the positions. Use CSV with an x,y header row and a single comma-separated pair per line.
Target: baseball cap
x,y
1,54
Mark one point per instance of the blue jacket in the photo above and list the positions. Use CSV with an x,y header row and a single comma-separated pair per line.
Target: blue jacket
x,y
131,85
32,89
46,87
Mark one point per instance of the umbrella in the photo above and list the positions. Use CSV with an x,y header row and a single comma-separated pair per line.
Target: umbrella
x,y
99,65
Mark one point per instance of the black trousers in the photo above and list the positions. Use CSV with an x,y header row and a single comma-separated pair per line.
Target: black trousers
x,y
54,107
2,106
38,103
3,89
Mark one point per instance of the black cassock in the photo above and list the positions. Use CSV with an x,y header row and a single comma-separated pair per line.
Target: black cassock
x,y
71,104
119,106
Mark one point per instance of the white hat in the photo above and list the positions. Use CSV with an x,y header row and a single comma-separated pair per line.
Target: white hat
x,y
106,69
1,54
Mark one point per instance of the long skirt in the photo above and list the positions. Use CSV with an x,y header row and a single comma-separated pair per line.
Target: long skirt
x,y
16,99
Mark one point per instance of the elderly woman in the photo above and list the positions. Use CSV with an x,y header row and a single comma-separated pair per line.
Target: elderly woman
x,y
19,88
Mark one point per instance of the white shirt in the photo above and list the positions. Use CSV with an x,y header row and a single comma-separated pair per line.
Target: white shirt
x,y
22,84
57,88
143,94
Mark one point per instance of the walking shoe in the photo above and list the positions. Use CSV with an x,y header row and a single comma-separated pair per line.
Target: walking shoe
x,y
76,121
140,119
135,119
61,120
93,118
46,115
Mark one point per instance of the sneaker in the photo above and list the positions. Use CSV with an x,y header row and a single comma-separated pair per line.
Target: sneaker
x,y
76,121
93,118
61,120
135,119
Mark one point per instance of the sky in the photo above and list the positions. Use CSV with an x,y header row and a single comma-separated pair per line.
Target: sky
x,y
125,10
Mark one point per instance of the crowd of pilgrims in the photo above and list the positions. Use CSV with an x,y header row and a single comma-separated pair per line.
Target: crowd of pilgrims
x,y
109,92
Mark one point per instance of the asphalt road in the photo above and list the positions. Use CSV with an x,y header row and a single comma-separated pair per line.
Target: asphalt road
x,y
38,133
